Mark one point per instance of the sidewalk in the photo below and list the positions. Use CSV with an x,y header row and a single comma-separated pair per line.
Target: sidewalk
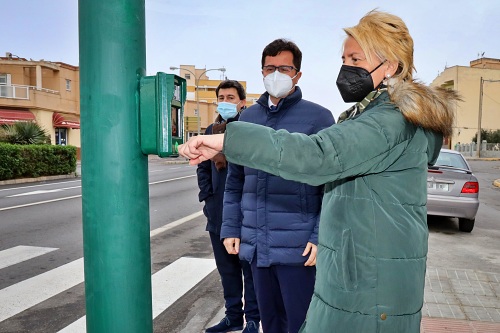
x,y
78,171
440,325
461,301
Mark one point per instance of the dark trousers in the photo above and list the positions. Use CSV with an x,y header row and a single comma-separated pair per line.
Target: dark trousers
x,y
230,269
284,294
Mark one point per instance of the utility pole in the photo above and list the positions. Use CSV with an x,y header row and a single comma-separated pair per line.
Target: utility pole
x,y
480,113
478,154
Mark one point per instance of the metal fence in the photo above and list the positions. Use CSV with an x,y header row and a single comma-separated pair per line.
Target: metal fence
x,y
470,149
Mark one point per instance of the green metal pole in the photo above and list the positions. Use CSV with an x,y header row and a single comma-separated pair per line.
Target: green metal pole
x,y
115,195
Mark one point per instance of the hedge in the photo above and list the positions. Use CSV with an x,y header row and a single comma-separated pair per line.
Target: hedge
x,y
29,161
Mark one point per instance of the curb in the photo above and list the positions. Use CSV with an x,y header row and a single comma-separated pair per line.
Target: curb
x,y
471,158
38,179
167,160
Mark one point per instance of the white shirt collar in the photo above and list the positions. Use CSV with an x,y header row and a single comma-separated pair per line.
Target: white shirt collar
x,y
269,103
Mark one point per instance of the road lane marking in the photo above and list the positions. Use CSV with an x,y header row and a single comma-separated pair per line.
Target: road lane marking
x,y
78,196
168,285
40,202
175,223
42,191
39,185
172,179
21,253
25,294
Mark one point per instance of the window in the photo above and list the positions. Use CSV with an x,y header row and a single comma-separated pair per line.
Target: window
x,y
187,76
6,90
4,79
68,85
61,136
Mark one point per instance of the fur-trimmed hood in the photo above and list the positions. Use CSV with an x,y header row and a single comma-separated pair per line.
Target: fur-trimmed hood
x,y
429,107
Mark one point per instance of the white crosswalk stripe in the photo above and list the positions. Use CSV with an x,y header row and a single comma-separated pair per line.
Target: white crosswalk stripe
x,y
27,293
168,284
21,253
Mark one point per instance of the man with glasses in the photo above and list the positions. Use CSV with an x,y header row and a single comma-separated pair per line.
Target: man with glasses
x,y
231,100
271,222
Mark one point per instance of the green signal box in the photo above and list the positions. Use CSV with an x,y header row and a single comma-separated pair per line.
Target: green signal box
x,y
161,109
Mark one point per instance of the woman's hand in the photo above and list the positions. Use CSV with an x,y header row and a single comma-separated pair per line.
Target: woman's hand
x,y
201,148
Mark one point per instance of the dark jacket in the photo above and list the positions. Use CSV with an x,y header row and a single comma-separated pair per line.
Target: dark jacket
x,y
372,246
273,217
212,183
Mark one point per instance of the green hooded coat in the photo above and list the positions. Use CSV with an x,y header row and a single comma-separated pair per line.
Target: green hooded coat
x,y
373,232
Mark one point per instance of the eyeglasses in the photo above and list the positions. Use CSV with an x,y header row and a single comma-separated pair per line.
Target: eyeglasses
x,y
282,69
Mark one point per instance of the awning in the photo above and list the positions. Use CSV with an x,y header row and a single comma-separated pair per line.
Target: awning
x,y
65,120
12,116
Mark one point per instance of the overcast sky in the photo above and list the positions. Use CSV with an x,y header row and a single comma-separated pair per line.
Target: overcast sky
x,y
212,34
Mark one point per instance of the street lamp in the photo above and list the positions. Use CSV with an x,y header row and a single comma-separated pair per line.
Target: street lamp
x,y
196,83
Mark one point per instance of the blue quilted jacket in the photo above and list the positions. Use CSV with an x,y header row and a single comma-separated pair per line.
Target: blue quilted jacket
x,y
211,183
274,217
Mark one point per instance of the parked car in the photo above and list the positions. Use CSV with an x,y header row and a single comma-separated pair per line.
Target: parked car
x,y
452,189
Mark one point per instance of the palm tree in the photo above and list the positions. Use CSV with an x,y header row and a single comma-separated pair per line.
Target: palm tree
x,y
23,133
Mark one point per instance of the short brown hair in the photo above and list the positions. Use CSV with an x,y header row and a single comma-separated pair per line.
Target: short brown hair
x,y
226,84
279,45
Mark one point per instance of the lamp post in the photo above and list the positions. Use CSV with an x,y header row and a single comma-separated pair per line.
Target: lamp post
x,y
196,83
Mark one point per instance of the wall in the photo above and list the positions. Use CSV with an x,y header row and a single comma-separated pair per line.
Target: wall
x,y
53,97
467,82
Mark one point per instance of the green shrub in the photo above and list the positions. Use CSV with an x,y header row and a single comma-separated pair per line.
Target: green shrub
x,y
490,136
27,161
23,133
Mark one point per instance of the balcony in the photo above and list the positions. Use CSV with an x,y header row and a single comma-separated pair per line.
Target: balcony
x,y
20,92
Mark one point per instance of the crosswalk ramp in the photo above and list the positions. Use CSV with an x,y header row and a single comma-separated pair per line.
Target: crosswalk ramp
x,y
168,284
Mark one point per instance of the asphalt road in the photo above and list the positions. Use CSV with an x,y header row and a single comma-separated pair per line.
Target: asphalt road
x,y
47,217
480,249
41,246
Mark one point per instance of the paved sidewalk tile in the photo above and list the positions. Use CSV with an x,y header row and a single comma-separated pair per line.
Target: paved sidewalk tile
x,y
461,300
462,294
442,325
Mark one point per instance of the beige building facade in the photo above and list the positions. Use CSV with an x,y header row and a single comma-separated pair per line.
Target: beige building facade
x,y
48,93
199,83
44,92
479,86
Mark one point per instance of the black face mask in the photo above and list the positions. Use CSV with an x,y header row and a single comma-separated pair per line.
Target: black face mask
x,y
354,83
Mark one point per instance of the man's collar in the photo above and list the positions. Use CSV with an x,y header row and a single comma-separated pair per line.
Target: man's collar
x,y
270,103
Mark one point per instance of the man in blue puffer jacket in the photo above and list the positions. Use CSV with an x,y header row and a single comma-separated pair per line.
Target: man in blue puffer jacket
x,y
231,99
271,222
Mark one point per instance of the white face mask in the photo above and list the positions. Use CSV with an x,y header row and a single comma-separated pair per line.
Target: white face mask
x,y
278,84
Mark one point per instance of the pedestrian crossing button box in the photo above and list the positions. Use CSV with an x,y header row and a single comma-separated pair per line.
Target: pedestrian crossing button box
x,y
161,109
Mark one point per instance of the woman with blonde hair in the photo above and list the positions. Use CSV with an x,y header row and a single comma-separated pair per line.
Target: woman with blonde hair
x,y
373,232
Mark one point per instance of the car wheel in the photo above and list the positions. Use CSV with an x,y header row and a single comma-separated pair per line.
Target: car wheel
x,y
466,225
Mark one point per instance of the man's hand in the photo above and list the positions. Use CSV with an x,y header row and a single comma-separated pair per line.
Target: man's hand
x,y
201,148
232,245
312,258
